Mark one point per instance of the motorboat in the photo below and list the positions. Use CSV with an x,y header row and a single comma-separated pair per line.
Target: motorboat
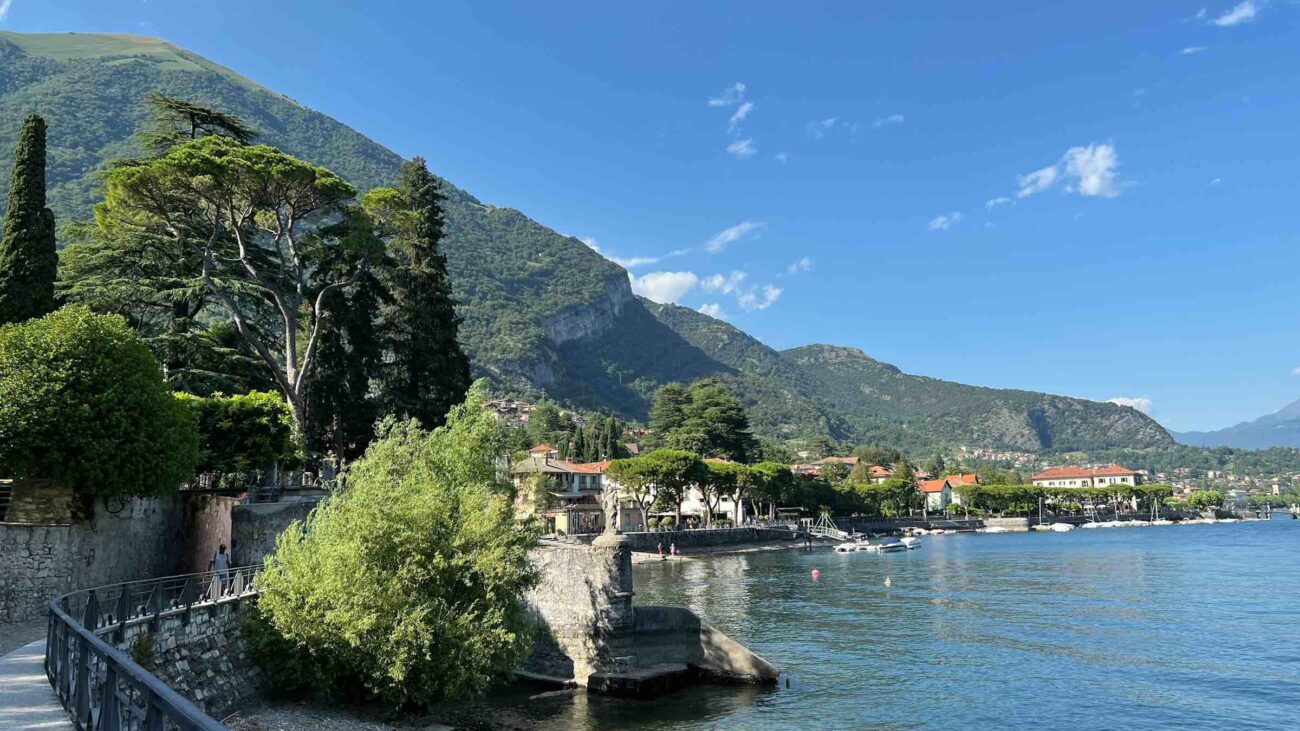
x,y
891,545
1062,527
994,529
846,547
912,542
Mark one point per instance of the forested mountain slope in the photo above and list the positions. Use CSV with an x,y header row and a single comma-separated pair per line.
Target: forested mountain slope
x,y
543,312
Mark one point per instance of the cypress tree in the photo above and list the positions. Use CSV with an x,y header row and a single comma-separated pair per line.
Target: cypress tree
x,y
428,373
29,258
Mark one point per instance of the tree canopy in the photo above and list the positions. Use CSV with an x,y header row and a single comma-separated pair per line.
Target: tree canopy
x,y
29,257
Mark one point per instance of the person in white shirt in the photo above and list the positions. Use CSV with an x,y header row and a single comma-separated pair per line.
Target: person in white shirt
x,y
221,564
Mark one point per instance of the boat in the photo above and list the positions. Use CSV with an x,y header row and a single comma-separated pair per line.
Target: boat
x,y
994,529
846,547
891,545
1062,527
912,542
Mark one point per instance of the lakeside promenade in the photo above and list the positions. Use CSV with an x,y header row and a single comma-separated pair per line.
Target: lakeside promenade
x,y
27,702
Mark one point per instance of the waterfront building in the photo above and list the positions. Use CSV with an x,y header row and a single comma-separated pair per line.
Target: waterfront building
x,y
574,490
938,494
1085,477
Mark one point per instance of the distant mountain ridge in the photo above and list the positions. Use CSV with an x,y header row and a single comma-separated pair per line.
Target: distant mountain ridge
x,y
543,312
1278,429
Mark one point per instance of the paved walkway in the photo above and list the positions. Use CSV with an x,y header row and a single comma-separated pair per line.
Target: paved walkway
x,y
27,701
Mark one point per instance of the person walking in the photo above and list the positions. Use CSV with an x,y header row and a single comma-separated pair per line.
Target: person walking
x,y
220,563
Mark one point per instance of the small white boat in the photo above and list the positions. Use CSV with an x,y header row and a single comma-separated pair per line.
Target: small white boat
x,y
994,529
891,545
1062,527
1091,525
912,542
1162,522
846,547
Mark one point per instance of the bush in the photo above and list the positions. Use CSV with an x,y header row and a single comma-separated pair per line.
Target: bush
x,y
411,578
83,404
244,433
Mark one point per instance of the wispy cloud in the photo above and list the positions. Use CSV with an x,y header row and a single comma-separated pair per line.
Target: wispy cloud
x,y
819,128
714,310
803,265
1192,50
780,157
1216,181
730,96
665,287
885,121
992,203
629,262
1091,170
4,9
760,298
1295,371
731,234
945,221
726,284
742,148
1240,13
1141,403
739,116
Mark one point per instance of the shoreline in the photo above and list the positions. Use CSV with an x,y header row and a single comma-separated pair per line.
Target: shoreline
x,y
696,552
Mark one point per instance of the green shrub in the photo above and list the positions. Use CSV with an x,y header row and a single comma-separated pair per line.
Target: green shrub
x,y
412,577
83,404
244,433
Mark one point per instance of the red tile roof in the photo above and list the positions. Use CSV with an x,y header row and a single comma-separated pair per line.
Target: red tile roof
x,y
934,485
588,468
969,478
878,471
542,449
1082,473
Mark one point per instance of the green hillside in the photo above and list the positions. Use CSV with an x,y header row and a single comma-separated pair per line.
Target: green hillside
x,y
510,272
543,312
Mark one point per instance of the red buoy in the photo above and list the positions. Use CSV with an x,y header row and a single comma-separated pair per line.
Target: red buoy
x,y
816,574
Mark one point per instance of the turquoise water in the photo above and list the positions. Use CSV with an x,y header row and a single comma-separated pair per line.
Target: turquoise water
x,y
1178,627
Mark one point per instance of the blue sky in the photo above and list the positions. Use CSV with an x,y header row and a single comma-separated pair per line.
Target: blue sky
x,y
1095,199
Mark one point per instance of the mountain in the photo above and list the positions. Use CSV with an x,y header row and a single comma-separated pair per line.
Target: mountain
x,y
1278,429
880,403
543,312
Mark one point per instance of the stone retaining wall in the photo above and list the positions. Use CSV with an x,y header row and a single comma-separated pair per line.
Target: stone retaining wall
x,y
254,528
39,562
203,656
648,541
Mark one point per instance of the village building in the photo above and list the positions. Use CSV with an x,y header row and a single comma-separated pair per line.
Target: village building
x,y
813,469
938,494
956,481
1086,477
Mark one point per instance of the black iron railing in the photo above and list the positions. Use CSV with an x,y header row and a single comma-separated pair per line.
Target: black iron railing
x,y
100,686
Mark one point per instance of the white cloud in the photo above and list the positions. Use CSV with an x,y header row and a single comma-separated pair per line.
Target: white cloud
x,y
4,9
780,157
992,203
1091,169
739,116
590,241
1216,181
635,261
1037,181
714,310
724,284
1241,13
1192,50
664,287
760,298
1094,169
803,265
885,121
730,96
1200,14
1141,403
731,235
1296,371
742,148
945,221
818,128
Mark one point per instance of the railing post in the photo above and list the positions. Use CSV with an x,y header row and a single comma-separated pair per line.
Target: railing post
x,y
109,717
122,611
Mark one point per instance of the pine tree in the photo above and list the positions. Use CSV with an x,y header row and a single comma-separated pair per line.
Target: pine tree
x,y
29,257
428,372
669,411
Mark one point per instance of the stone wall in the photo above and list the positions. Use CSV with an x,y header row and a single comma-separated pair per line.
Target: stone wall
x,y
39,562
254,528
592,636
206,523
648,542
203,656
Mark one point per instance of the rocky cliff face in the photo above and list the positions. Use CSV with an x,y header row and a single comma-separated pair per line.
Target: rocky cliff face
x,y
594,318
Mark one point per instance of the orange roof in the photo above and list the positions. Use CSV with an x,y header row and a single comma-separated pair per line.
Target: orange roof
x,y
934,485
1076,473
878,471
542,449
588,468
969,478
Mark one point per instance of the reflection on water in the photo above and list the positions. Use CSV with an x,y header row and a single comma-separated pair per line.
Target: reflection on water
x,y
1174,627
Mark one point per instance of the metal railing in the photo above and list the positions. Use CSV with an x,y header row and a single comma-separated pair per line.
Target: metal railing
x,y
100,686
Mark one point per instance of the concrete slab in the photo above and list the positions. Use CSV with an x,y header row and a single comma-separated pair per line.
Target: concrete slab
x,y
644,682
27,702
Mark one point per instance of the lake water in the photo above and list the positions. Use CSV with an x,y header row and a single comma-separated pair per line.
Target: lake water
x,y
1178,627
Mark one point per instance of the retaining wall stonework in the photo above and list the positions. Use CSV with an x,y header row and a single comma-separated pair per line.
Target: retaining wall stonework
x,y
648,541
40,562
255,527
203,656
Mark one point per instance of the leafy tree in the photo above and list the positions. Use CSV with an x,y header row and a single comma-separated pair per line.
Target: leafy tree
x,y
243,433
669,472
29,257
668,414
83,404
936,465
261,222
877,455
410,581
428,372
720,480
176,120
772,483
715,424
544,421
1204,499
